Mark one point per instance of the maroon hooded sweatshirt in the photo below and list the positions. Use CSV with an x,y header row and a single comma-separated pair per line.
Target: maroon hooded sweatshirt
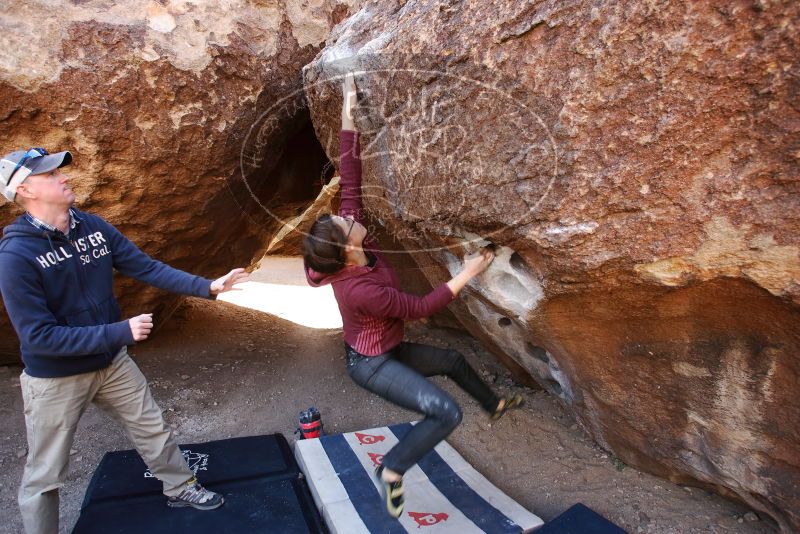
x,y
372,306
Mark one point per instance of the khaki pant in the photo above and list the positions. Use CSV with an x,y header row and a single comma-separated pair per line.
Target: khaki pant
x,y
53,407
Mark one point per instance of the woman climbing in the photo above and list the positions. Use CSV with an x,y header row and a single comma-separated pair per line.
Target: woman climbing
x,y
339,252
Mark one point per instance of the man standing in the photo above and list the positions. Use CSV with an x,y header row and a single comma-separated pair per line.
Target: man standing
x,y
56,279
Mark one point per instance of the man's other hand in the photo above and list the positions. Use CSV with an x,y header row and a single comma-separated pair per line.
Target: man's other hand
x,y
141,326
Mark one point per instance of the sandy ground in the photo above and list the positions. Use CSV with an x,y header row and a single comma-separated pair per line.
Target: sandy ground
x,y
218,370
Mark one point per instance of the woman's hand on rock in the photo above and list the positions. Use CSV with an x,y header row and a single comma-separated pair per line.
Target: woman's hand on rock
x,y
472,267
478,264
350,95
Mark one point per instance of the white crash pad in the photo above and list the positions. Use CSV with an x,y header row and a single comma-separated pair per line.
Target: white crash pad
x,y
444,493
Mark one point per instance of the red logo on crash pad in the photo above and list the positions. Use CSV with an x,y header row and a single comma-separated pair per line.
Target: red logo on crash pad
x,y
426,519
375,457
368,439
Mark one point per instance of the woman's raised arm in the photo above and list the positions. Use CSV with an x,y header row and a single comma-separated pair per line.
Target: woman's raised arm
x,y
348,102
349,155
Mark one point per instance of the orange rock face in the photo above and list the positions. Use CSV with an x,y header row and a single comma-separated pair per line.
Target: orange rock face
x,y
184,120
636,169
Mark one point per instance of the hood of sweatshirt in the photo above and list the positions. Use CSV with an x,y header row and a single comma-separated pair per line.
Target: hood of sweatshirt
x,y
22,228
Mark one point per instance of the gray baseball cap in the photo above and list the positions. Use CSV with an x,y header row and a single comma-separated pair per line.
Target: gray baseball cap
x,y
16,166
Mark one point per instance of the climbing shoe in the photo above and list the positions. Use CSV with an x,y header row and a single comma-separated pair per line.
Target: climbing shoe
x,y
196,496
507,403
391,493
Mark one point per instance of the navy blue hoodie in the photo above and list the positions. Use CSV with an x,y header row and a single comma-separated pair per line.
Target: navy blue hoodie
x,y
58,292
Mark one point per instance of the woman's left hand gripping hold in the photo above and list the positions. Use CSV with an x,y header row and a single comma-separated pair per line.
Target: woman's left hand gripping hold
x,y
349,101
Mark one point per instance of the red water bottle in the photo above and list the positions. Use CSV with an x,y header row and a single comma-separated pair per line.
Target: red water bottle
x,y
310,423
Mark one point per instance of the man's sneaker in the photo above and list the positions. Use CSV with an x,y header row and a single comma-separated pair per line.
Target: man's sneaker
x,y
509,403
196,496
391,493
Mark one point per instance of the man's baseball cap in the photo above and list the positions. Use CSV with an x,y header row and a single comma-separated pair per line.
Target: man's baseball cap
x,y
18,165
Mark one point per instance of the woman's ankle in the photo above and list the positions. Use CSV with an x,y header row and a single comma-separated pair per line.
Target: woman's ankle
x,y
495,407
390,476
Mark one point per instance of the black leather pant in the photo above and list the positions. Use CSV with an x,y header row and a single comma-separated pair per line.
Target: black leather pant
x,y
399,377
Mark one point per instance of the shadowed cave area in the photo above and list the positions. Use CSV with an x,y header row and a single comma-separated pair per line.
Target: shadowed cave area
x,y
300,172
291,170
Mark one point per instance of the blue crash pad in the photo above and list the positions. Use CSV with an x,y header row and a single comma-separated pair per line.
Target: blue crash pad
x,y
580,519
263,488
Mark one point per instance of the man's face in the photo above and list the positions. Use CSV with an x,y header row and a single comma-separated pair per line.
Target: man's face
x,y
51,188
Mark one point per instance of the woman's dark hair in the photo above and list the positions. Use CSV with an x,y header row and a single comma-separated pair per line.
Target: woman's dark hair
x,y
323,247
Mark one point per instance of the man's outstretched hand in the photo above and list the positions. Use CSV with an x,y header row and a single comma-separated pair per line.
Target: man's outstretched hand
x,y
142,325
226,283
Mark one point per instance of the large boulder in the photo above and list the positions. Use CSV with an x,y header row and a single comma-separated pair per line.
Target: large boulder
x,y
186,120
635,167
